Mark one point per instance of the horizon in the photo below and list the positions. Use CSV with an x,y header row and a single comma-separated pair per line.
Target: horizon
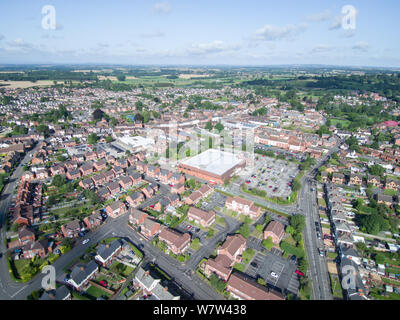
x,y
176,33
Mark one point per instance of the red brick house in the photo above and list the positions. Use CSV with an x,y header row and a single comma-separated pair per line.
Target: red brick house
x,y
141,166
149,228
275,230
176,242
125,182
86,183
137,217
109,175
113,187
118,171
39,248
71,229
178,188
152,171
100,165
73,174
135,199
116,209
204,218
94,220
243,287
243,206
99,179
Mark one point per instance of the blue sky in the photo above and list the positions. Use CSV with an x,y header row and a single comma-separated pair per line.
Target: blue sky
x,y
235,32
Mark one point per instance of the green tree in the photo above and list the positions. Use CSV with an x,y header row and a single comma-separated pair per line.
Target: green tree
x,y
92,138
298,222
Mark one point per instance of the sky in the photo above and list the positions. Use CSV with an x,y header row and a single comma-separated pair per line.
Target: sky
x,y
201,32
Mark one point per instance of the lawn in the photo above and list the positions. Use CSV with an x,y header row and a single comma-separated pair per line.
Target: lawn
x,y
336,287
321,202
390,192
239,266
195,245
97,292
248,255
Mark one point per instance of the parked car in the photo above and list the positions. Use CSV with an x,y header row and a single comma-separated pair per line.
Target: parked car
x,y
85,241
300,273
274,275
103,283
293,258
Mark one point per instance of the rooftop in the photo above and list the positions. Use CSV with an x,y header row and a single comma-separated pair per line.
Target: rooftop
x,y
213,161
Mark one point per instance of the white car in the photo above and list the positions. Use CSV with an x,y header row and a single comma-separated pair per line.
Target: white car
x,y
273,274
85,241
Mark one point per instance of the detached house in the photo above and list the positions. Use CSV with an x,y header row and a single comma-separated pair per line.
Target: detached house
x,y
73,174
116,209
176,242
204,218
275,230
80,275
125,182
106,252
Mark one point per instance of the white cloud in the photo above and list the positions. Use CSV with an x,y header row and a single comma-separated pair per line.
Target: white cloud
x,y
1,37
318,17
161,7
212,47
361,46
272,33
322,48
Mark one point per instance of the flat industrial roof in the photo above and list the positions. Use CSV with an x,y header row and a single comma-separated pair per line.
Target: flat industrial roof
x,y
213,161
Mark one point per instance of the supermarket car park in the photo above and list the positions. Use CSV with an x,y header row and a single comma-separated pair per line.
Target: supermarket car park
x,y
272,175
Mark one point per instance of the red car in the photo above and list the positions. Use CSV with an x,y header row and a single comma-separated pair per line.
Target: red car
x,y
152,206
103,283
171,185
300,273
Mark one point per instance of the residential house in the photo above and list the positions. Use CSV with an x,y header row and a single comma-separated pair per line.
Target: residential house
x,y
243,287
204,218
243,206
94,220
106,252
81,274
176,242
152,287
135,199
71,229
116,209
275,230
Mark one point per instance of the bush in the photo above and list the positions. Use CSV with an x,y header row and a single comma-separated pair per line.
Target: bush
x,y
268,244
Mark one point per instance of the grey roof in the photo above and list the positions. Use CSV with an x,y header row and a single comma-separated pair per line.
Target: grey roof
x,y
60,293
105,252
79,276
